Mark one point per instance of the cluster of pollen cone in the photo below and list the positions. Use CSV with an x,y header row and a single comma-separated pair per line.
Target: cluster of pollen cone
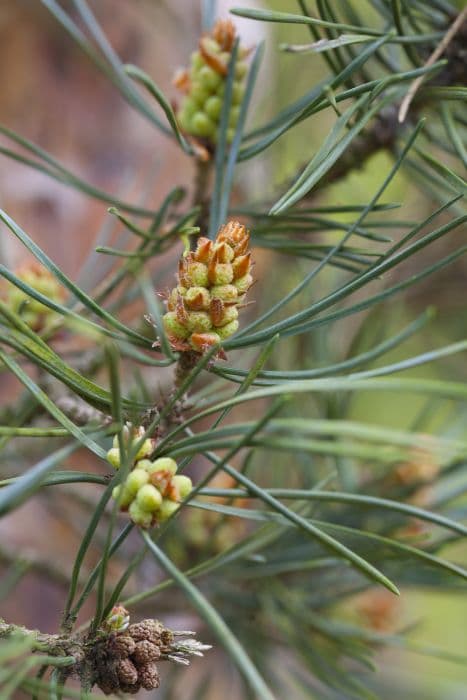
x,y
202,310
204,83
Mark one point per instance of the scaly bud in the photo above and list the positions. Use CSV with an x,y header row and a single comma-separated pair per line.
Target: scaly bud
x,y
149,498
203,250
33,312
220,273
224,253
174,328
196,274
241,266
214,278
243,284
199,322
197,299
227,293
227,330
204,341
135,480
183,486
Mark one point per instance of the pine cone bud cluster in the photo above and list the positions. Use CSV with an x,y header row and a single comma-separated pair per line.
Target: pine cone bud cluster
x,y
36,315
126,661
202,310
204,84
152,491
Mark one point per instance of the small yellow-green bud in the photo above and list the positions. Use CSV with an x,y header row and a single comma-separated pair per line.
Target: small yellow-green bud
x,y
230,314
224,252
140,517
145,450
189,106
202,125
113,456
209,78
164,464
143,464
135,480
199,93
149,498
224,292
173,327
183,485
122,495
174,295
227,330
211,45
197,298
184,119
204,341
197,60
221,274
244,283
167,509
213,107
197,274
199,322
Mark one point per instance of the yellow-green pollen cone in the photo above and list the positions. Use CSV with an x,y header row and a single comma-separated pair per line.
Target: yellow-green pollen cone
x,y
202,310
33,312
152,491
204,82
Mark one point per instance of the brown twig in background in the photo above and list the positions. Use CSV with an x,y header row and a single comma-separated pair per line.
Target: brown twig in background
x,y
442,46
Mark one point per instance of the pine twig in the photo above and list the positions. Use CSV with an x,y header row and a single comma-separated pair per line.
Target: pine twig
x,y
440,49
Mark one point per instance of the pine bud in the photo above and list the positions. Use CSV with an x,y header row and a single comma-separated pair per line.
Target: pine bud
x,y
173,297
203,250
197,299
225,292
203,85
201,342
113,456
167,509
199,322
123,495
117,620
227,330
164,464
135,480
174,328
214,278
33,312
182,485
149,498
243,284
140,517
202,125
220,273
146,449
196,274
